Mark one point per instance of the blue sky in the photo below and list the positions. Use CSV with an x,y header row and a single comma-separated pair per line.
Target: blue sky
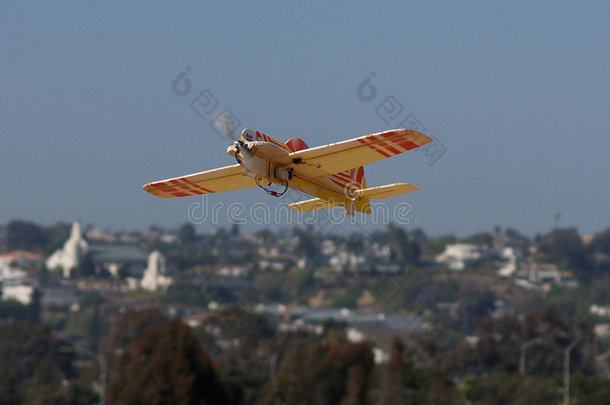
x,y
518,94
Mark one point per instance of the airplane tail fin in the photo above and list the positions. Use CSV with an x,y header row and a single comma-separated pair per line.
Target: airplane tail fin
x,y
358,178
350,180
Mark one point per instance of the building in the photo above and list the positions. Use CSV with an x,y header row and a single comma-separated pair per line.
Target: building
x,y
22,259
280,262
119,260
456,256
70,256
18,292
155,276
540,276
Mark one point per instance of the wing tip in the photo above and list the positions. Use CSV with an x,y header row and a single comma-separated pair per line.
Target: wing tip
x,y
150,189
422,139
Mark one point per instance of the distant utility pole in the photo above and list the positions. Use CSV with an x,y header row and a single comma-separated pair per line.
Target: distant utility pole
x,y
102,361
557,219
524,347
566,372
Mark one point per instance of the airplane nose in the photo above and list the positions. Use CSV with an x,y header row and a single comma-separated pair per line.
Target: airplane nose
x,y
249,135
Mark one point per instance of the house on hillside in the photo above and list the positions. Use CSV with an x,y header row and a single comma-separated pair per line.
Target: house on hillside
x,y
14,266
22,293
456,256
540,276
22,259
279,262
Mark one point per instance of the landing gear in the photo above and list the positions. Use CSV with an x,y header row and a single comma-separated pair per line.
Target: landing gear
x,y
273,193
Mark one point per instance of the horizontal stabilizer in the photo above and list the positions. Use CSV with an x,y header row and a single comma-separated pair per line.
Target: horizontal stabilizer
x,y
313,205
389,190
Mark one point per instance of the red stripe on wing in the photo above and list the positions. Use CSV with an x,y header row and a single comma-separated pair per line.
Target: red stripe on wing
x,y
205,190
381,152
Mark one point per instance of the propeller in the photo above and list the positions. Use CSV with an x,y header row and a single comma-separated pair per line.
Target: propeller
x,y
224,125
241,149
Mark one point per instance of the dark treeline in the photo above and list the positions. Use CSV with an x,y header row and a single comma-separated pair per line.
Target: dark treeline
x,y
147,358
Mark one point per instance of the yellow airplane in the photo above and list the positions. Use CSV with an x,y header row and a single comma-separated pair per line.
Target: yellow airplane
x,y
333,173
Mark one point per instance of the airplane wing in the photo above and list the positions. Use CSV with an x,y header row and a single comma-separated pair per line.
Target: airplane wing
x,y
211,181
345,155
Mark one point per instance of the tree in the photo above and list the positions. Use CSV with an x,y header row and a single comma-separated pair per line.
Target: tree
x,y
419,236
235,322
501,388
126,328
308,244
601,242
235,230
56,235
25,235
564,248
398,383
186,233
542,333
512,235
330,372
404,384
480,239
166,365
438,244
475,303
599,249
14,310
402,250
37,368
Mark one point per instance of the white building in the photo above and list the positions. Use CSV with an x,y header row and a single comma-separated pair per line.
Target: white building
x,y
67,258
346,259
600,310
508,269
457,255
19,292
511,255
155,273
11,273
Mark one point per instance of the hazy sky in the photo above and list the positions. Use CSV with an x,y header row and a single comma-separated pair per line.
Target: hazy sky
x,y
519,95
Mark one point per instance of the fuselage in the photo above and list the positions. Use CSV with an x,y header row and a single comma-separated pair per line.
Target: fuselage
x,y
268,160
